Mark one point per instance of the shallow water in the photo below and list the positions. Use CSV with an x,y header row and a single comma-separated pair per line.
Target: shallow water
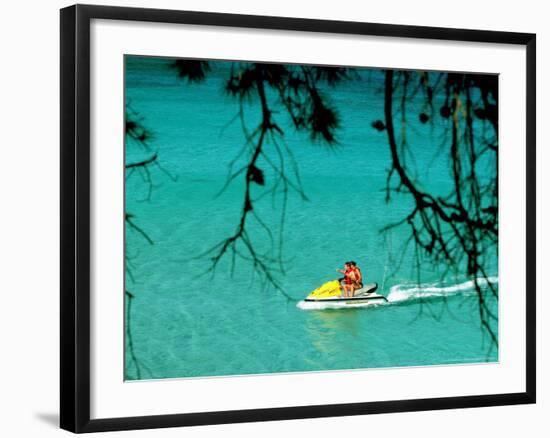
x,y
186,324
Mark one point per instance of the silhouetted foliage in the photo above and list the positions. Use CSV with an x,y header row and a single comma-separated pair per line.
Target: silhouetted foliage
x,y
193,71
378,125
138,137
460,228
296,88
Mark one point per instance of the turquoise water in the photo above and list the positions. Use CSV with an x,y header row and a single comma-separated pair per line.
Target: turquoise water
x,y
184,324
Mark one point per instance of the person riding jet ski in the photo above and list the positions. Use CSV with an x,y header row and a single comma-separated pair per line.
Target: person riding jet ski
x,y
352,280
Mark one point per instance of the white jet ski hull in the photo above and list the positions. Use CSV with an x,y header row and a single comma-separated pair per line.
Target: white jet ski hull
x,y
364,295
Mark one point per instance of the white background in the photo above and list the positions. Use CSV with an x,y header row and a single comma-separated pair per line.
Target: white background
x,y
29,245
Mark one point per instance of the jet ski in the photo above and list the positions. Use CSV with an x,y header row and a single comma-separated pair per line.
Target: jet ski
x,y
331,292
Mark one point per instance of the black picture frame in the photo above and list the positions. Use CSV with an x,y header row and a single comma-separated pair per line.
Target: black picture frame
x,y
75,217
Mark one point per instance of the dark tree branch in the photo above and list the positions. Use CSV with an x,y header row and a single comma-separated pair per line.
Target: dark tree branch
x,y
437,222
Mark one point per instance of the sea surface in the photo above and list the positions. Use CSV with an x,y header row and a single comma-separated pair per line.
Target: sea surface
x,y
186,321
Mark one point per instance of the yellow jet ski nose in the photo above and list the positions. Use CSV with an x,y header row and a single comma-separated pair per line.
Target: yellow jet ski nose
x,y
330,289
